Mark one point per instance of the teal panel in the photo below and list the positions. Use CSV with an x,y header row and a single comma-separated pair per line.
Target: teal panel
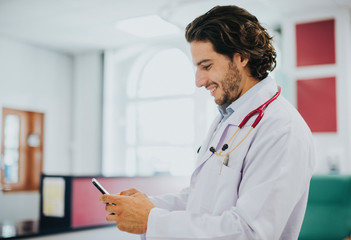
x,y
328,213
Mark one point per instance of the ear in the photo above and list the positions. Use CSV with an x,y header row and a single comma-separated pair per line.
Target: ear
x,y
240,60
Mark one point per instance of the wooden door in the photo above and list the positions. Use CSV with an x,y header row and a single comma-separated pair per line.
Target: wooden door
x,y
21,149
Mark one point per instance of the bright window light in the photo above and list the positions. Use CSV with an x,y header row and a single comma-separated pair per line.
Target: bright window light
x,y
147,27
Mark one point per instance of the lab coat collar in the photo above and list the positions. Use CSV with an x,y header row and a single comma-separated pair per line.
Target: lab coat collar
x,y
268,89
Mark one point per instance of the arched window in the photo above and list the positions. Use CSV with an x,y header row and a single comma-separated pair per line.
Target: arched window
x,y
158,120
160,113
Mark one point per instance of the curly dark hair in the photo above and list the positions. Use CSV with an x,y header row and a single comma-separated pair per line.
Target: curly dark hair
x,y
231,30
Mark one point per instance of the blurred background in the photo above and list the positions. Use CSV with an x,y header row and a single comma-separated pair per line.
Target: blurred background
x,y
107,87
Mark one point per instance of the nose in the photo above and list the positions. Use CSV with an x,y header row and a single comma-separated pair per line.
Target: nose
x,y
201,78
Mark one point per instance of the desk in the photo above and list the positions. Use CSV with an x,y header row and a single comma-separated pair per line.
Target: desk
x,y
80,195
9,230
31,229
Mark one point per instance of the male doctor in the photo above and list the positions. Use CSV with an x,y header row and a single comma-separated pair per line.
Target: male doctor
x,y
259,190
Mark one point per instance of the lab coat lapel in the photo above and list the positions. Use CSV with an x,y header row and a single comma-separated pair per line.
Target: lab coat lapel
x,y
206,153
205,146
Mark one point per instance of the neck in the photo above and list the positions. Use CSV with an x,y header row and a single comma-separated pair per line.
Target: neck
x,y
248,82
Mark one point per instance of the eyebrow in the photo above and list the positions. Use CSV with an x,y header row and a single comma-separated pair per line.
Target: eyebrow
x,y
202,61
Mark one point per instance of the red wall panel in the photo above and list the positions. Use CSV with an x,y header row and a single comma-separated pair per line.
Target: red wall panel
x,y
315,43
88,211
316,102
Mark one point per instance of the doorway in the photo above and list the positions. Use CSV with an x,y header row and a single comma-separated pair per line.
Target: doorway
x,y
21,150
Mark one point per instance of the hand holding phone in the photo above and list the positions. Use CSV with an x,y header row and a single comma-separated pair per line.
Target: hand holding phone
x,y
99,186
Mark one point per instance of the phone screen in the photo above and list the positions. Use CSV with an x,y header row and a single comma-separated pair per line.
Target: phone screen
x,y
99,186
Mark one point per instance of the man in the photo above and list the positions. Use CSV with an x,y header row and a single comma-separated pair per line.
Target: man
x,y
252,184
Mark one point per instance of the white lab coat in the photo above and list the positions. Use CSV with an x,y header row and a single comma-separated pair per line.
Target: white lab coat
x,y
261,194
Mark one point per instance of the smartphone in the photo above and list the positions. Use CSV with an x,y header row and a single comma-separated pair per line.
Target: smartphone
x,y
99,186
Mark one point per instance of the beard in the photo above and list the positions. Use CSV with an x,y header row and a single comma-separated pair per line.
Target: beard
x,y
230,86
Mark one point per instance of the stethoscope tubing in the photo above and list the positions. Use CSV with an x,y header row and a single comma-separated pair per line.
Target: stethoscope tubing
x,y
260,112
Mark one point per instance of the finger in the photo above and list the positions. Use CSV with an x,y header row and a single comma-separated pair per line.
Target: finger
x,y
140,195
102,197
129,192
115,209
110,208
115,199
112,218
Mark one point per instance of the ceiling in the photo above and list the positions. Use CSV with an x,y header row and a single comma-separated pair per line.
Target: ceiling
x,y
76,26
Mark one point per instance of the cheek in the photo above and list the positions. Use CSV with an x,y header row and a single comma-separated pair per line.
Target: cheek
x,y
232,80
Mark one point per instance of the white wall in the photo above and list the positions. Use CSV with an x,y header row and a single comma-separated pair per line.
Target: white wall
x,y
329,146
36,79
87,115
67,89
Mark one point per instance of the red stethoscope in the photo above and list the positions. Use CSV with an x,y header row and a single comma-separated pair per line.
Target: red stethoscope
x,y
260,112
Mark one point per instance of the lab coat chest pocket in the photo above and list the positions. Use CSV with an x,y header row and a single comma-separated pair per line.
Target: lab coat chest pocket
x,y
226,190
220,187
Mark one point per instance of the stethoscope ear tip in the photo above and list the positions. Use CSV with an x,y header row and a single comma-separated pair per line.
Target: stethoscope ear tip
x,y
212,149
225,146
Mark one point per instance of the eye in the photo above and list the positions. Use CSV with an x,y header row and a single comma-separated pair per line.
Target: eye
x,y
206,67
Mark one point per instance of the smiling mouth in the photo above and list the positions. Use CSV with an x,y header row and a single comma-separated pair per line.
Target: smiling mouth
x,y
212,90
211,87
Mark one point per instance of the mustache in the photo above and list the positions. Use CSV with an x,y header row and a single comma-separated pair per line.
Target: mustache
x,y
211,84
